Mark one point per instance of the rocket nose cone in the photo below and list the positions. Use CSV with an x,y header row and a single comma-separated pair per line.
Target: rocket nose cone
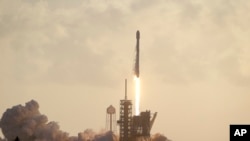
x,y
137,34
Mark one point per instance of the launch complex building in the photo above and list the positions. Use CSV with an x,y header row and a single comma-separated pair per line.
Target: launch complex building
x,y
134,127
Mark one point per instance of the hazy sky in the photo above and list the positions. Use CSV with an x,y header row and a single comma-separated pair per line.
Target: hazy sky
x,y
72,58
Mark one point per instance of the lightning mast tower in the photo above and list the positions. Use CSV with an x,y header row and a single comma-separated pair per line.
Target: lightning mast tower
x,y
125,120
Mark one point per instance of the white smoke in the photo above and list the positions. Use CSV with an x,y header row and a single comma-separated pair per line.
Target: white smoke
x,y
159,137
29,124
2,139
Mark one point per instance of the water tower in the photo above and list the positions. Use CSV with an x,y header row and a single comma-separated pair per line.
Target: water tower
x,y
110,119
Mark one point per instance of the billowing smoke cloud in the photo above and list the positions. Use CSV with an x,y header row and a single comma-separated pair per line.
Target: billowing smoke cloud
x,y
159,137
2,139
29,124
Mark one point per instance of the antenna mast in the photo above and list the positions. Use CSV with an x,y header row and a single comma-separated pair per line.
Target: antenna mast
x,y
125,89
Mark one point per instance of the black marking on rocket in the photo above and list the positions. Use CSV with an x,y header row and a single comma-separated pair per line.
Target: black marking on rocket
x,y
136,69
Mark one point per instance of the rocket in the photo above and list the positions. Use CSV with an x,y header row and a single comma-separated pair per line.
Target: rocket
x,y
136,69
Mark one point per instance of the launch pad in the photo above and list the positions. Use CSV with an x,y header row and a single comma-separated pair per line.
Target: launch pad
x,y
134,127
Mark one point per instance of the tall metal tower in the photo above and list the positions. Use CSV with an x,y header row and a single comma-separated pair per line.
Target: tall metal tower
x,y
111,119
125,120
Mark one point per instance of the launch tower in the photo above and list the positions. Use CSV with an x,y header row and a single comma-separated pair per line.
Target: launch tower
x,y
125,120
135,127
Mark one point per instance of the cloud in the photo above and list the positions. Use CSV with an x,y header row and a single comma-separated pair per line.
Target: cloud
x,y
74,42
190,43
58,45
28,124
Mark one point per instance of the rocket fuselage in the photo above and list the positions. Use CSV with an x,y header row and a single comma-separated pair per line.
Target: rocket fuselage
x,y
137,65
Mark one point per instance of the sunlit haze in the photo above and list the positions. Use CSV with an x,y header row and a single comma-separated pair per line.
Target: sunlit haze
x,y
72,58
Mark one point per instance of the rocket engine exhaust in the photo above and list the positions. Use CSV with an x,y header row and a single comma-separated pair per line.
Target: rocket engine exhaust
x,y
137,96
137,74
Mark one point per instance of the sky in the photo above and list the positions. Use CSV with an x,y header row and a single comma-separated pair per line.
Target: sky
x,y
72,58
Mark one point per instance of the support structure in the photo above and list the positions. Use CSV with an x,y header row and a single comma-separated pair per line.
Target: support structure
x,y
125,120
111,119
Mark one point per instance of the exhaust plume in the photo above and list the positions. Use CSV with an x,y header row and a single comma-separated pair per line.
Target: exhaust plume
x,y
137,95
159,137
28,124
